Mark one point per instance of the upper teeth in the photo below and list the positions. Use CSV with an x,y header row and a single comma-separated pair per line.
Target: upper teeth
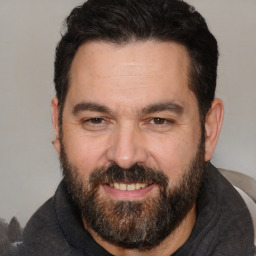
x,y
129,187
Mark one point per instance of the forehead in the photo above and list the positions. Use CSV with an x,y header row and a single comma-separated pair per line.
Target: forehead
x,y
146,56
148,70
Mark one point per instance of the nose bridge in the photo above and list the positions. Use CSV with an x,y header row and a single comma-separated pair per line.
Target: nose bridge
x,y
127,146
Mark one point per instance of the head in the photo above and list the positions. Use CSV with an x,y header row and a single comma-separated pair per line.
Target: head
x,y
122,22
135,115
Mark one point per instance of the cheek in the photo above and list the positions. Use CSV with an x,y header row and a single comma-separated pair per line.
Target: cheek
x,y
84,152
173,154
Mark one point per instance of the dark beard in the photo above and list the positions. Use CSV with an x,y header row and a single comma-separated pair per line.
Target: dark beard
x,y
142,224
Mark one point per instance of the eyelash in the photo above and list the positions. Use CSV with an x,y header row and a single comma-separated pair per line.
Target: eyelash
x,y
163,121
94,119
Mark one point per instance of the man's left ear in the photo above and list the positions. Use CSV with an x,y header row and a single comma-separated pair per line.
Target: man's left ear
x,y
213,123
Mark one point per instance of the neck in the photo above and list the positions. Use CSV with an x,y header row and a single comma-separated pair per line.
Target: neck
x,y
167,247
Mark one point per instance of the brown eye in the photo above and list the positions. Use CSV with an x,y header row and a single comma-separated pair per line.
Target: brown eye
x,y
159,121
94,124
96,120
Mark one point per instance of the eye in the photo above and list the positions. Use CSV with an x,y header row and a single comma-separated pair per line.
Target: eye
x,y
94,124
160,124
158,121
96,120
161,121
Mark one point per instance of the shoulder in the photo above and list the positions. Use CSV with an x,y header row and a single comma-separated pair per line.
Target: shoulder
x,y
233,227
43,235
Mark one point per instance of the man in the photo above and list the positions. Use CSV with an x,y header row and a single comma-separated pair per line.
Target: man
x,y
136,125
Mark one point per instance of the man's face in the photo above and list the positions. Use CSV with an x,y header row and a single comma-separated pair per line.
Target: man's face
x,y
130,107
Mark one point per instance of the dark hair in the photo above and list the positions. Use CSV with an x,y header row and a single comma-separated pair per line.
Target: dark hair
x,y
125,21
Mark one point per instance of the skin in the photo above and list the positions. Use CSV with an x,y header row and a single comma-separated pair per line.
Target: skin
x,y
131,82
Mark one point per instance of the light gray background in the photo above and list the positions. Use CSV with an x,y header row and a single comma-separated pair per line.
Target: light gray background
x,y
29,32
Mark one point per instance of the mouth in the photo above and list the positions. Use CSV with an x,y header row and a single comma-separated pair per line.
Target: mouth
x,y
128,191
128,187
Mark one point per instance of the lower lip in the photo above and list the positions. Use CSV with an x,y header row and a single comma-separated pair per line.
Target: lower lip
x,y
128,195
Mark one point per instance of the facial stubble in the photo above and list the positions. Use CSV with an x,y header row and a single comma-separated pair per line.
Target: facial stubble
x,y
141,224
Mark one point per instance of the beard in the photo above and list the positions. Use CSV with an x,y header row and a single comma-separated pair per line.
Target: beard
x,y
141,224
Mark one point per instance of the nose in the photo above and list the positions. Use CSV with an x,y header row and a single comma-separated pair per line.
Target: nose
x,y
127,147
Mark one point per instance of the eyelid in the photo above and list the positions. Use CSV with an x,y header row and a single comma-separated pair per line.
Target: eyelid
x,y
166,120
167,125
91,119
88,124
94,118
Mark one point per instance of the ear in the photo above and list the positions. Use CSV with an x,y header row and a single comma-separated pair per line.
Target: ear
x,y
213,125
55,122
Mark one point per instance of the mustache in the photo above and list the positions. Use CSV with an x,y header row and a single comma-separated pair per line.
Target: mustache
x,y
135,174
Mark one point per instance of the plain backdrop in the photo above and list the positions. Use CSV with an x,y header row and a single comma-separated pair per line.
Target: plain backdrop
x,y
29,32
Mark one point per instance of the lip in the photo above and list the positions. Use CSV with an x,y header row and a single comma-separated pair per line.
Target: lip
x,y
128,195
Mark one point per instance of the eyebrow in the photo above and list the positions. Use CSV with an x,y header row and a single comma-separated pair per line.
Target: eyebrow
x,y
164,106
153,108
89,106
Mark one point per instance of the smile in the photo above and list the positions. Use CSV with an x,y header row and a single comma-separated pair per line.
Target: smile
x,y
128,191
128,187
